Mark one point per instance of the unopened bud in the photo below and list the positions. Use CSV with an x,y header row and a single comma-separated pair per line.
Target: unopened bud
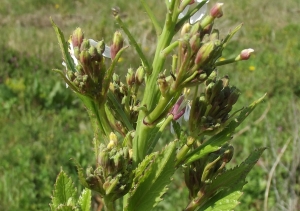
x,y
130,77
117,44
234,96
216,11
100,47
139,75
85,45
77,37
245,54
185,29
195,42
113,140
204,53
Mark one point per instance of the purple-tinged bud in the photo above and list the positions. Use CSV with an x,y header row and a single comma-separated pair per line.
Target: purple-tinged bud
x,y
178,109
95,56
195,42
77,37
130,77
117,44
139,75
85,45
216,11
246,53
204,53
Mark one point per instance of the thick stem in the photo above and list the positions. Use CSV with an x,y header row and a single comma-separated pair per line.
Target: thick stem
x,y
150,100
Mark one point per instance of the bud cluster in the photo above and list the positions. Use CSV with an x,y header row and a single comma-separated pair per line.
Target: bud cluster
x,y
199,174
126,93
210,111
91,77
113,176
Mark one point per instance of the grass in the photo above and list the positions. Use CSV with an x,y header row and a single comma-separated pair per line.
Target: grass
x,y
43,125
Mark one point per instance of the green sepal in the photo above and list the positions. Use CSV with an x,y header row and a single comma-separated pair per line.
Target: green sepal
x,y
64,47
215,142
85,200
64,194
152,177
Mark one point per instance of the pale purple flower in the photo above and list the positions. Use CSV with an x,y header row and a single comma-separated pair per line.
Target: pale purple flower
x,y
181,110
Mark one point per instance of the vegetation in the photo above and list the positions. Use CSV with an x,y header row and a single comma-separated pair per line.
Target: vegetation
x,y
43,125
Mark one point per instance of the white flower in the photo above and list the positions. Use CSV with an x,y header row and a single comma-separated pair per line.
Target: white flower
x,y
198,15
106,54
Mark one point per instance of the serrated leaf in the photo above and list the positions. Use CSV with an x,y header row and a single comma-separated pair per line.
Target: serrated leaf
x,y
80,173
232,177
225,200
64,47
85,200
151,179
215,142
64,192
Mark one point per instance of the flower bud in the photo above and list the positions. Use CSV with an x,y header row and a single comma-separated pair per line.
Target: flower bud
x,y
163,85
245,54
234,96
139,75
185,29
195,42
77,37
204,53
100,47
85,45
117,44
130,77
216,11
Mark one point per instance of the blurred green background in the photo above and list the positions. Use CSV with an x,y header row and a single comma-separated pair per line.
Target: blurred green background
x,y
43,125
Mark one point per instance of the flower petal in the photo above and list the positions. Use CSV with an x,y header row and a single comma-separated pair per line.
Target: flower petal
x,y
187,111
199,14
106,52
184,12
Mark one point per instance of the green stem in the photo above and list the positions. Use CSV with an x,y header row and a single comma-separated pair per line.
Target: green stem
x,y
143,131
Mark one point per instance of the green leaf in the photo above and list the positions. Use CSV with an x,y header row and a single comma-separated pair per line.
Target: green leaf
x,y
215,142
64,193
80,173
151,179
225,200
85,200
64,48
232,177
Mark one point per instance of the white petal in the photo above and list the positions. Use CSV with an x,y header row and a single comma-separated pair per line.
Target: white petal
x,y
106,52
93,42
187,111
184,12
199,14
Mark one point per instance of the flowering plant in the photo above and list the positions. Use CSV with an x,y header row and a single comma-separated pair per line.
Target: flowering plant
x,y
129,121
